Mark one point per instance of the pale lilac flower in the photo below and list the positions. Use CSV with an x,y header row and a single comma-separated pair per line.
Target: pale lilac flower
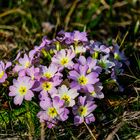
x,y
35,55
97,92
72,37
80,36
53,111
63,58
45,42
18,56
102,48
46,86
117,70
23,65
34,73
45,102
92,64
3,67
37,49
21,89
99,47
118,55
65,37
68,95
43,114
106,64
96,49
83,111
78,49
50,72
43,117
82,80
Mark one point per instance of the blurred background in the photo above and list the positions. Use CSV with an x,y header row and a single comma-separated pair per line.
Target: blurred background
x,y
23,23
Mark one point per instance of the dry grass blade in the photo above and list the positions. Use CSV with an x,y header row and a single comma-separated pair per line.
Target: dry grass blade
x,y
93,137
68,16
15,10
115,130
120,4
42,131
126,117
124,39
129,116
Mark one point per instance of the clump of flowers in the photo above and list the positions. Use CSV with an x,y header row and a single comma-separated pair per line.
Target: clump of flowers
x,y
65,74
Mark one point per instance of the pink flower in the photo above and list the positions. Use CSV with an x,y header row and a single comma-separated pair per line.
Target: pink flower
x,y
52,111
21,89
3,67
83,111
68,95
63,59
50,72
92,64
47,86
34,73
23,65
82,80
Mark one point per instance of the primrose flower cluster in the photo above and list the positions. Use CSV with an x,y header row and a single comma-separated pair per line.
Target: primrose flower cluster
x,y
65,74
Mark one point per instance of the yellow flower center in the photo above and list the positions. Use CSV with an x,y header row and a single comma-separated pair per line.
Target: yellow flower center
x,y
27,64
66,98
64,61
93,93
47,86
82,111
32,77
1,74
116,56
89,70
82,80
48,75
52,112
95,55
22,90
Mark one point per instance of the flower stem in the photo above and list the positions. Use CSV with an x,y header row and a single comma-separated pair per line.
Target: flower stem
x,y
29,122
90,131
42,137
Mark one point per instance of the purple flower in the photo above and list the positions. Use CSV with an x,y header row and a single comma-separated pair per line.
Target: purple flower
x,y
80,36
98,47
23,65
119,55
21,89
97,92
65,37
47,86
82,80
63,59
36,52
53,111
83,111
117,70
92,64
3,67
72,37
45,42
